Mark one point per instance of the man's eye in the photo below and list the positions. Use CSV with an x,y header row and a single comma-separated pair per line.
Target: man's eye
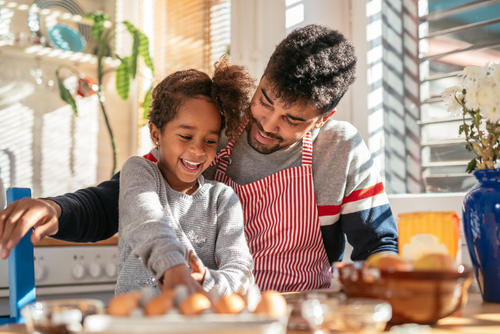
x,y
291,121
264,103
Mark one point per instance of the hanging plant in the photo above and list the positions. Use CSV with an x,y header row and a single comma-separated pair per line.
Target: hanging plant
x,y
126,71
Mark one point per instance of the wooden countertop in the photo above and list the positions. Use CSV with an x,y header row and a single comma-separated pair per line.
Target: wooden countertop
x,y
476,318
45,242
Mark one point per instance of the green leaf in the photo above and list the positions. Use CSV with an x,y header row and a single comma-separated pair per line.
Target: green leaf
x,y
65,94
98,27
471,166
122,81
146,104
142,43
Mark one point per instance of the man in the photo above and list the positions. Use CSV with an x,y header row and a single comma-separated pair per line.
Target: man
x,y
305,180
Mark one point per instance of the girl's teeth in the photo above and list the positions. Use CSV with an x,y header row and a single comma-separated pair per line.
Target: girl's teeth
x,y
191,164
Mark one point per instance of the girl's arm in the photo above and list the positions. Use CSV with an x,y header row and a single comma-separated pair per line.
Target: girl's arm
x,y
235,264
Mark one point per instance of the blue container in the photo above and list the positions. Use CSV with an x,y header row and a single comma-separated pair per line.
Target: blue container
x,y
481,218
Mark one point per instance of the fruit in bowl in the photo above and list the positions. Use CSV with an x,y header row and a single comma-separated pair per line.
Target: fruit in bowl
x,y
435,262
387,261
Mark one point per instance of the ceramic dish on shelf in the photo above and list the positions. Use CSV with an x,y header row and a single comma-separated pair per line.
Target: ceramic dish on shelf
x,y
39,28
65,38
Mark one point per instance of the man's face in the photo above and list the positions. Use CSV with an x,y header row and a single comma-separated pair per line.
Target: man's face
x,y
274,127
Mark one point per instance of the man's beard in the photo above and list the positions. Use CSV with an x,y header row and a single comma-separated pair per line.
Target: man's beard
x,y
258,146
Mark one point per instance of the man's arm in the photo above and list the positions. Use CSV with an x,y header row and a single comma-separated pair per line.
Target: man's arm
x,y
89,214
352,202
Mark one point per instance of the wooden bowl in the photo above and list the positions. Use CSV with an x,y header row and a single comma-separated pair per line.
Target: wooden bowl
x,y
421,297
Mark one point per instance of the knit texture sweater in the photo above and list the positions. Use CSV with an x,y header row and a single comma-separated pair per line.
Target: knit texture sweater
x,y
159,225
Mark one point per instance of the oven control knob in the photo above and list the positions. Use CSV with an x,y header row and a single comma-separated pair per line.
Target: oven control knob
x,y
110,269
78,271
95,270
40,272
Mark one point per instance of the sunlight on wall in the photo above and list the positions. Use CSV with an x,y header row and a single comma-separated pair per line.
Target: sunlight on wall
x,y
42,145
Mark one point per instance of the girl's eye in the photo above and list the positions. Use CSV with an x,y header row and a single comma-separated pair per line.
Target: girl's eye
x,y
185,137
211,142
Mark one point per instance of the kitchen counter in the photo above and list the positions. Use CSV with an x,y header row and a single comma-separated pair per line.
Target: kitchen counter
x,y
476,318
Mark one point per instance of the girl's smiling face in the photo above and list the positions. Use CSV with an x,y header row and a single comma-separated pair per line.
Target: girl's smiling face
x,y
187,144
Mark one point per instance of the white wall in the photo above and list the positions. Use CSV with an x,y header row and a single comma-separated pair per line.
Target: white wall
x,y
258,26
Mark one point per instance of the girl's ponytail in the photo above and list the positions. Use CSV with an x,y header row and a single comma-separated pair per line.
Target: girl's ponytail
x,y
232,87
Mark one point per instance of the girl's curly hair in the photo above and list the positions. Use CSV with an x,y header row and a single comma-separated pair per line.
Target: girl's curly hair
x,y
229,88
313,64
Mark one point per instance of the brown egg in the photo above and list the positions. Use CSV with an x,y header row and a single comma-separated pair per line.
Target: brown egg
x,y
195,304
435,262
122,305
271,303
160,304
230,304
387,261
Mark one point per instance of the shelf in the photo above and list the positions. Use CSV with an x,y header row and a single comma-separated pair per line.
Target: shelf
x,y
53,54
56,14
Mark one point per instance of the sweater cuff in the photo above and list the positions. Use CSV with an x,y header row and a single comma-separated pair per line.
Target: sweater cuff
x,y
166,262
208,281
64,220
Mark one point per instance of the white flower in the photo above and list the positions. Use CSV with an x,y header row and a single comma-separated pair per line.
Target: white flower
x,y
450,96
495,73
486,94
471,93
474,73
491,112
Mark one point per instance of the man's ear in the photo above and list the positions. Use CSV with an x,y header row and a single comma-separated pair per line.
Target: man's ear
x,y
154,132
323,119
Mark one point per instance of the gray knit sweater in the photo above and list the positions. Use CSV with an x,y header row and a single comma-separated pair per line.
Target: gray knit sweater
x,y
158,226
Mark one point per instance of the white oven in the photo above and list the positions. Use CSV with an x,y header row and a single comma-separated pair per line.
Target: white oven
x,y
69,271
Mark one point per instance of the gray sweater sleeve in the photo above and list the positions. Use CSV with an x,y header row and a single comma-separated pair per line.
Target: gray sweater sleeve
x,y
235,264
146,226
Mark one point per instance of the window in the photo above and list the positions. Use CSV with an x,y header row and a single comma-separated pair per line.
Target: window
x,y
453,34
416,48
190,34
185,34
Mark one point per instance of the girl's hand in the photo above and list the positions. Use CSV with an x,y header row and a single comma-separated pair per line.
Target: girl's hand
x,y
197,268
180,275
19,216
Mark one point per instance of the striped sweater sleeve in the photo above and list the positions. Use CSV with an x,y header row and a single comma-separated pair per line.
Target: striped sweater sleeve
x,y
355,206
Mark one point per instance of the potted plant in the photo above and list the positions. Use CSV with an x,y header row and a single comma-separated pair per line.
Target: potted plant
x,y
477,100
102,32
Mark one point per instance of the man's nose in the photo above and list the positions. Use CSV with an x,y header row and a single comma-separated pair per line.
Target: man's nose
x,y
270,123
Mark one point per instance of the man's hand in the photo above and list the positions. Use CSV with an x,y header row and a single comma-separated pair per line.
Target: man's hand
x,y
197,268
18,217
180,275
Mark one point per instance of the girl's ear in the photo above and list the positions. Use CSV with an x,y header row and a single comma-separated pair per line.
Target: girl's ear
x,y
154,133
323,119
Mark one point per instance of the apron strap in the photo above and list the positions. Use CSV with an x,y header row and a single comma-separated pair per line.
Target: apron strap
x,y
307,149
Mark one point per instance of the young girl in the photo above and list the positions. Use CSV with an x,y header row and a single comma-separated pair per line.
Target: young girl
x,y
167,210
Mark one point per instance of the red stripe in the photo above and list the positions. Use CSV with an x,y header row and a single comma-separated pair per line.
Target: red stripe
x,y
329,210
364,193
150,157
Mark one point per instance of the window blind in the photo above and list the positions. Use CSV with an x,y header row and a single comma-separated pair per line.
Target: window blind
x,y
452,35
190,34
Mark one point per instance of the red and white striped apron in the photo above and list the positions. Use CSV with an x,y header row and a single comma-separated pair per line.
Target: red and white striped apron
x,y
282,225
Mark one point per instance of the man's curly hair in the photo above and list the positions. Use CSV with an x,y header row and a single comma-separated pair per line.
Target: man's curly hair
x,y
313,64
229,88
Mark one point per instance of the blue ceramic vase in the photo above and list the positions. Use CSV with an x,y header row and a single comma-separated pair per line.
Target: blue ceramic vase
x,y
481,218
